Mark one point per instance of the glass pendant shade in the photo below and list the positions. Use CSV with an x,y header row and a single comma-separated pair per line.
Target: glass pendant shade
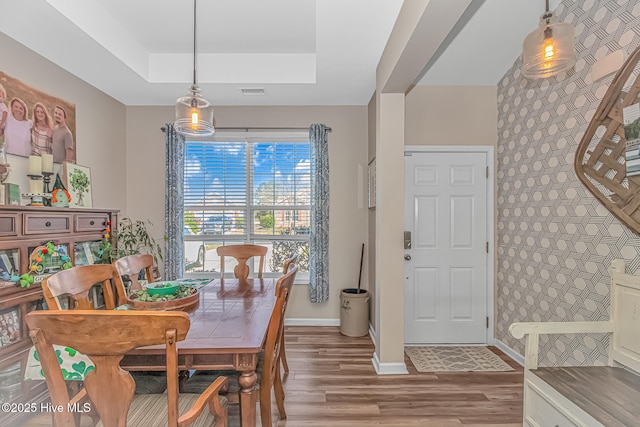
x,y
194,114
549,49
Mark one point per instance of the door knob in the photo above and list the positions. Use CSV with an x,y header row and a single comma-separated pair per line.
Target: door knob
x,y
407,257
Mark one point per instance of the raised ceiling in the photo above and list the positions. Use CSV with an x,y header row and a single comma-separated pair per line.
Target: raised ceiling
x,y
301,52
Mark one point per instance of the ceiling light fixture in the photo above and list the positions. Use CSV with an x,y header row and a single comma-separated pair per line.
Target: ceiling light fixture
x,y
549,49
194,114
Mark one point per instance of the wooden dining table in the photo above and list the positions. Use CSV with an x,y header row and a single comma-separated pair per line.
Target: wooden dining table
x,y
228,330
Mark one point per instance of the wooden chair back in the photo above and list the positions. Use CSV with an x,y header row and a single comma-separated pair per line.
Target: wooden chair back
x,y
76,283
270,376
109,387
286,281
242,253
289,263
131,266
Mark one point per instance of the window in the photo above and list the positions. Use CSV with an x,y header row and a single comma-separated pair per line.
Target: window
x,y
256,189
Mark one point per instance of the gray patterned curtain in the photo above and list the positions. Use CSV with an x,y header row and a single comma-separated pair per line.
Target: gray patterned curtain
x,y
174,207
319,239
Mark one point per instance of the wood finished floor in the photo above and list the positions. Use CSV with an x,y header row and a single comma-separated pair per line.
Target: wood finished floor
x,y
333,383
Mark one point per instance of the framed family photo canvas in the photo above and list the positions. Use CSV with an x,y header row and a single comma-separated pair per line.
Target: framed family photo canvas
x,y
37,122
77,179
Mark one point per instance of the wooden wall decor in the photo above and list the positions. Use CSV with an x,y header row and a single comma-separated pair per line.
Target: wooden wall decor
x,y
600,157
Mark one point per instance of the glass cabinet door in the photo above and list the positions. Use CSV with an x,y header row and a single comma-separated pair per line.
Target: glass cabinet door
x,y
9,326
86,253
9,266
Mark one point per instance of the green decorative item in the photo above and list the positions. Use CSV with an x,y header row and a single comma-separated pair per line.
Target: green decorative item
x,y
162,288
60,197
26,280
41,263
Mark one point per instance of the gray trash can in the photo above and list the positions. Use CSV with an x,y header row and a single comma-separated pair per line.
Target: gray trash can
x,y
354,312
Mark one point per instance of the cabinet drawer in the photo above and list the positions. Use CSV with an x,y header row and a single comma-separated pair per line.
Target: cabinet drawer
x,y
9,225
93,222
46,224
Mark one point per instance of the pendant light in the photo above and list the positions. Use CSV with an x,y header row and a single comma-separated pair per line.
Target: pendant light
x,y
549,49
194,114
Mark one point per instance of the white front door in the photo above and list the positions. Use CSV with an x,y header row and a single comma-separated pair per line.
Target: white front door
x,y
446,266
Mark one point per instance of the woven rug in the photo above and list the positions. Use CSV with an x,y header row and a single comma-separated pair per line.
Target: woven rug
x,y
439,359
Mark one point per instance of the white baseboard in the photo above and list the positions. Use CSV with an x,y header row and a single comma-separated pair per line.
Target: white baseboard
x,y
388,368
509,352
312,322
372,333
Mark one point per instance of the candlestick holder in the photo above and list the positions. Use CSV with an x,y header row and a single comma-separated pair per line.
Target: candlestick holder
x,y
46,178
35,191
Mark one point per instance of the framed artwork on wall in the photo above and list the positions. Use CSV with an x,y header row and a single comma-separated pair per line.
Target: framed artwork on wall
x,y
37,122
372,183
77,180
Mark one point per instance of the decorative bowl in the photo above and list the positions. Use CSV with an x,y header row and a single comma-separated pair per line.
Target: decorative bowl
x,y
162,288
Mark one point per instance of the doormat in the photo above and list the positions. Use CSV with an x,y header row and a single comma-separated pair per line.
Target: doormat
x,y
440,359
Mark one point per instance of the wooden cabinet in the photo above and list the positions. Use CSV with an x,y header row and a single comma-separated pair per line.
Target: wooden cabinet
x,y
21,230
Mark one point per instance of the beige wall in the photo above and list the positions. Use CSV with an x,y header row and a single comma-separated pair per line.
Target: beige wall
x,y
100,135
451,115
347,159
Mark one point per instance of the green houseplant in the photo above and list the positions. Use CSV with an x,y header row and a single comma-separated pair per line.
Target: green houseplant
x,y
133,238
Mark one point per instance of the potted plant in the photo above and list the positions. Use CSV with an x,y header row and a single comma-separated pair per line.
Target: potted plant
x,y
133,238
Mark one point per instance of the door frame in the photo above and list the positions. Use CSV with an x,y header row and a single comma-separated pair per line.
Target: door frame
x,y
491,207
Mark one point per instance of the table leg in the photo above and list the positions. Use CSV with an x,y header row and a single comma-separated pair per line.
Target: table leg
x,y
248,398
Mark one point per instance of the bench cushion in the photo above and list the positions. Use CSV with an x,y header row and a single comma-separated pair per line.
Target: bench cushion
x,y
610,395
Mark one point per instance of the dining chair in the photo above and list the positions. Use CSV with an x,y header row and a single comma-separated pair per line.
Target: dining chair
x,y
268,366
290,262
285,282
131,266
76,284
242,253
109,388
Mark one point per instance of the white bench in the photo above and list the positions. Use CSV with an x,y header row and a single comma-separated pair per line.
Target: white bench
x,y
588,395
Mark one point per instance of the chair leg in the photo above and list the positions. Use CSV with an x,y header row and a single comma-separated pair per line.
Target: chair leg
x,y
283,354
279,393
265,406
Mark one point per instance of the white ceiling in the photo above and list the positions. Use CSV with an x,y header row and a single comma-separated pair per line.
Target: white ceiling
x,y
301,52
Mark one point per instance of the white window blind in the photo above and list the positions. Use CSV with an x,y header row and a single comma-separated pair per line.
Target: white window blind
x,y
252,191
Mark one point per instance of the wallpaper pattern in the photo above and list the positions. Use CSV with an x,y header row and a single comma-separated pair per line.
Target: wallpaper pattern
x,y
555,240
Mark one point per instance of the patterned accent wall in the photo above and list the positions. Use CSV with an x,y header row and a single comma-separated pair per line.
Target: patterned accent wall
x,y
555,240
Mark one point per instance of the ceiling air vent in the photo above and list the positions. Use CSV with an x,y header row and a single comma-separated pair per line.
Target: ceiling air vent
x,y
252,91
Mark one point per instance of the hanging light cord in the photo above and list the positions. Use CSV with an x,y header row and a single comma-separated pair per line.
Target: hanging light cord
x,y
194,39
547,14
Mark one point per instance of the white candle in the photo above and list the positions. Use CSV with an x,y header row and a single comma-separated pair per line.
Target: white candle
x,y
35,165
35,186
47,162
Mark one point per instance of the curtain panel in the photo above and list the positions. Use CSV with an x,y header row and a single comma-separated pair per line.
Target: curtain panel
x,y
174,206
319,238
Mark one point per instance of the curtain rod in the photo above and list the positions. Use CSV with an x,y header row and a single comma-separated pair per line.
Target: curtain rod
x,y
247,129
